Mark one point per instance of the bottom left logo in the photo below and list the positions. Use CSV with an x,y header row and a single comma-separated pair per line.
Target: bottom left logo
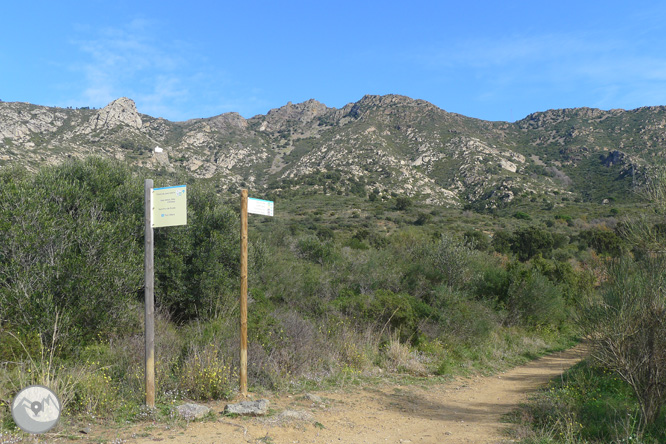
x,y
36,409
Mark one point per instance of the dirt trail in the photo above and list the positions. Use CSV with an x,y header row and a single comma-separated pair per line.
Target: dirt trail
x,y
467,410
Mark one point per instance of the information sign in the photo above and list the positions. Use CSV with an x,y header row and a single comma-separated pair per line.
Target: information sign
x,y
258,206
169,205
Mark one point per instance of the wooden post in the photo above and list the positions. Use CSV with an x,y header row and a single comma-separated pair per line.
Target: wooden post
x,y
243,296
149,293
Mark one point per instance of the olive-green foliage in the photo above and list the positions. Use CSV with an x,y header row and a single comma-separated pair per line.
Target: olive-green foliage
x,y
316,250
68,248
533,294
463,319
530,241
534,300
522,216
384,308
502,241
197,265
71,247
602,240
402,203
452,259
477,240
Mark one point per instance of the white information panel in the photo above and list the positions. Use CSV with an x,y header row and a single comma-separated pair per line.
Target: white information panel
x,y
258,206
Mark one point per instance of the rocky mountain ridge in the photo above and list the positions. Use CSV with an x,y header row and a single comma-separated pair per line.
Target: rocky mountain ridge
x,y
379,146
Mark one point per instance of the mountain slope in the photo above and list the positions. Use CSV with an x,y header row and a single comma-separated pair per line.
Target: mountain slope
x,y
378,146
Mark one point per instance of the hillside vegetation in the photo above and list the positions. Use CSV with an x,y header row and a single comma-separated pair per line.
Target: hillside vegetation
x,y
414,300
406,240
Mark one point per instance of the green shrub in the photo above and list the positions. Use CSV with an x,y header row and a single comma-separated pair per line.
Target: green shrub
x,y
197,265
463,320
477,239
70,250
402,203
501,241
627,324
314,250
602,240
534,300
72,247
452,260
531,241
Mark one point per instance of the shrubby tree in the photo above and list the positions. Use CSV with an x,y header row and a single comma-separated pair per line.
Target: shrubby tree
x,y
501,241
533,300
531,241
627,322
402,203
197,265
452,259
68,249
602,240
71,248
477,239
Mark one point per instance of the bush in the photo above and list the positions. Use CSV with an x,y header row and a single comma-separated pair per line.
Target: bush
x,y
197,265
477,239
384,309
627,324
69,249
71,246
501,241
452,260
462,319
533,300
402,203
206,375
314,250
530,241
602,240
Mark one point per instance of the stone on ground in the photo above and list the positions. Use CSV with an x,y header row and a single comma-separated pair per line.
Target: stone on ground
x,y
249,408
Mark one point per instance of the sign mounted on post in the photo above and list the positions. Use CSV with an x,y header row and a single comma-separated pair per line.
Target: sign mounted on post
x,y
254,206
169,206
258,206
164,207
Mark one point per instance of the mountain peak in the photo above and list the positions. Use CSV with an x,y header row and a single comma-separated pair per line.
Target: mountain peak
x,y
301,112
120,111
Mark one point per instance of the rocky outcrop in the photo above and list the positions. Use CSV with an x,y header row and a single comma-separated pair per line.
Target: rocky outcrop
x,y
119,112
301,113
19,123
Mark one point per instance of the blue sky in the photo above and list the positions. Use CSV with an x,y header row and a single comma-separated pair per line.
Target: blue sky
x,y
486,59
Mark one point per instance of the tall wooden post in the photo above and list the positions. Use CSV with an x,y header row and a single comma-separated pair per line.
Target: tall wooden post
x,y
149,293
243,296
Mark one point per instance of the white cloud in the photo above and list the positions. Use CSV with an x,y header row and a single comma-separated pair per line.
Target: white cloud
x,y
131,61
